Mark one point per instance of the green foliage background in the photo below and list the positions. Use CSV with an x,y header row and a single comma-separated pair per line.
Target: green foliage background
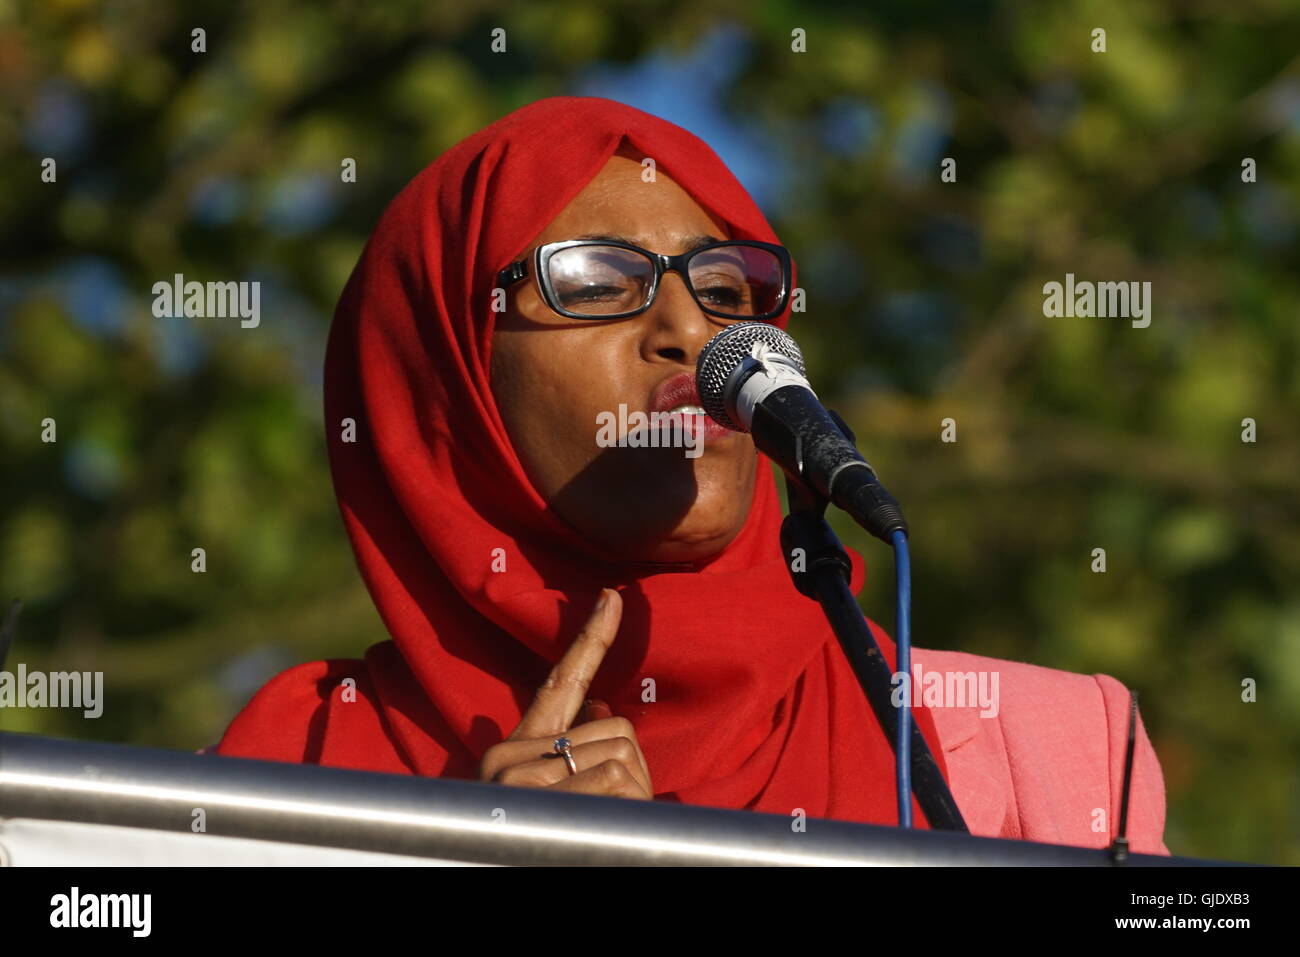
x,y
1072,433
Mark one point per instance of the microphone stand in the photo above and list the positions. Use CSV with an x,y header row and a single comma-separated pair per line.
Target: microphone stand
x,y
825,576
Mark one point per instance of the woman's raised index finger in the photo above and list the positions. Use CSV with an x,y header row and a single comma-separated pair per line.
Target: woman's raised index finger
x,y
565,688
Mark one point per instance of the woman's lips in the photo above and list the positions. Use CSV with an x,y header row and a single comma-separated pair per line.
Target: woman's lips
x,y
702,427
675,391
678,397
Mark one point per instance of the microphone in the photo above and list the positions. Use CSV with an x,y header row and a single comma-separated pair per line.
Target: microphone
x,y
751,378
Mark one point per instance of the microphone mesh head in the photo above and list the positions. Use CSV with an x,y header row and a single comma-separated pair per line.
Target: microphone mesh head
x,y
724,353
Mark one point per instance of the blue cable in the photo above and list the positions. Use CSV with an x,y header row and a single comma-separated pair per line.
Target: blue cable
x,y
903,749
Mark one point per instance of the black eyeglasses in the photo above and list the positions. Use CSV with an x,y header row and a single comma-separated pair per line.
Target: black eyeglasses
x,y
602,279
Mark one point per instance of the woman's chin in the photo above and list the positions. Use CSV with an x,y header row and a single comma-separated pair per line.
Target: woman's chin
x,y
645,508
711,510
687,542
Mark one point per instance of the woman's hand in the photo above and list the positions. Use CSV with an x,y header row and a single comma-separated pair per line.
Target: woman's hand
x,y
604,747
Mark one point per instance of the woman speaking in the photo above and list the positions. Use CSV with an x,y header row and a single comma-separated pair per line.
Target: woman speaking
x,y
605,617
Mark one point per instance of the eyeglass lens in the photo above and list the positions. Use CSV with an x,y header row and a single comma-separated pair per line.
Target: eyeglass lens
x,y
597,280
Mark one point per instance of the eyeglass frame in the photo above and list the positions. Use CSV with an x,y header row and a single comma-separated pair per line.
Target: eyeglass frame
x,y
541,260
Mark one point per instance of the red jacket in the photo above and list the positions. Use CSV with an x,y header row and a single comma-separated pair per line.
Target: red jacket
x,y
1049,766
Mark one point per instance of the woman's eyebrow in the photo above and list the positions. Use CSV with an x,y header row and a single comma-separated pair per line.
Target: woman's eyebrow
x,y
693,242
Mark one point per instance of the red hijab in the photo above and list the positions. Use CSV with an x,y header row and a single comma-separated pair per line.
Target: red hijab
x,y
738,690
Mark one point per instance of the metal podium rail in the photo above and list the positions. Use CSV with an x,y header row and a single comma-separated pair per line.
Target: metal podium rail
x,y
307,812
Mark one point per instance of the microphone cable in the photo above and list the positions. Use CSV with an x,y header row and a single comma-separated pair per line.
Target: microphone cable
x,y
903,651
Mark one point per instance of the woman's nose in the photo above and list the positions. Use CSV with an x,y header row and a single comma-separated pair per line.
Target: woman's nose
x,y
676,327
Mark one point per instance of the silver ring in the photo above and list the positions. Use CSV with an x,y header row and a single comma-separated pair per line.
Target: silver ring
x,y
562,747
